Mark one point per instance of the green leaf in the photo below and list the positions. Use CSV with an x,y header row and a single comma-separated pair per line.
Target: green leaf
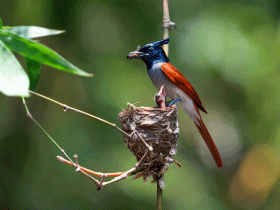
x,y
38,52
1,23
5,27
13,79
34,69
32,31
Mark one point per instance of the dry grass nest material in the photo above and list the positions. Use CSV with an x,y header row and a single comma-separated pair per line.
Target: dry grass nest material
x,y
160,129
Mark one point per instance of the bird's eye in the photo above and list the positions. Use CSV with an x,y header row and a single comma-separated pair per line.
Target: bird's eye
x,y
151,50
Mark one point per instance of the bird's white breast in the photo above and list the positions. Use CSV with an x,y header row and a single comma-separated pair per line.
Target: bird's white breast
x,y
172,91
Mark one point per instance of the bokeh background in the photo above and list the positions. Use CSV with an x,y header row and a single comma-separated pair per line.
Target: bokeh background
x,y
229,51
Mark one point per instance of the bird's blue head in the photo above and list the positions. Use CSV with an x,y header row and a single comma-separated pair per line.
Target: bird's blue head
x,y
151,53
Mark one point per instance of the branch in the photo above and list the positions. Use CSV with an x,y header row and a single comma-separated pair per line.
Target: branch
x,y
45,132
66,107
101,184
97,174
167,25
159,197
86,172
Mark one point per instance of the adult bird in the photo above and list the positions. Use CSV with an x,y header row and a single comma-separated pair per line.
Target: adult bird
x,y
162,72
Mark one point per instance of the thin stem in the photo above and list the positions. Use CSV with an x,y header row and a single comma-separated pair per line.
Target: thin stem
x,y
66,107
138,165
166,25
101,184
97,174
123,176
127,173
159,196
45,132
78,169
145,143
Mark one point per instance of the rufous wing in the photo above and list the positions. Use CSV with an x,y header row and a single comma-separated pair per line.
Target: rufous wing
x,y
181,82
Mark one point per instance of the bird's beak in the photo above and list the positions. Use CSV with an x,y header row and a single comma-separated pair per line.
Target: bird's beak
x,y
135,53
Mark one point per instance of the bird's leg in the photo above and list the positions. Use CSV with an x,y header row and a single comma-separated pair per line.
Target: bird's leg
x,y
173,102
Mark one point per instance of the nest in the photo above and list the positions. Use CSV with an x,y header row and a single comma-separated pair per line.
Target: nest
x,y
160,129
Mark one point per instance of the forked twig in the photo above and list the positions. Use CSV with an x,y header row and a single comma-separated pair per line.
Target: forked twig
x,y
45,132
118,175
87,172
78,169
101,184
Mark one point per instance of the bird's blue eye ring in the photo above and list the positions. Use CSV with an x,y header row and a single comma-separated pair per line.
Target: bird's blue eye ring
x,y
151,49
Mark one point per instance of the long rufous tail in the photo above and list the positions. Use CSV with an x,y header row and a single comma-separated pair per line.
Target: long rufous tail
x,y
210,143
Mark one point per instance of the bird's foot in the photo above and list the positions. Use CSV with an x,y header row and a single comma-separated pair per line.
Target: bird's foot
x,y
173,102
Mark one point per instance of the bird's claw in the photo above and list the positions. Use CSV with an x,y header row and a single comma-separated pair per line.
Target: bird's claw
x,y
174,101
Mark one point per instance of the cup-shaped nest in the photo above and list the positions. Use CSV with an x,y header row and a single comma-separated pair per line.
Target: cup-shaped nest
x,y
160,129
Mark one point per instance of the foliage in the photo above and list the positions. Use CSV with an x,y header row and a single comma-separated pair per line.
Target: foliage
x,y
228,50
14,80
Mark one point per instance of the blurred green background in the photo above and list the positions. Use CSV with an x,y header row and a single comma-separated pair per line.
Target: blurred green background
x,y
229,51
